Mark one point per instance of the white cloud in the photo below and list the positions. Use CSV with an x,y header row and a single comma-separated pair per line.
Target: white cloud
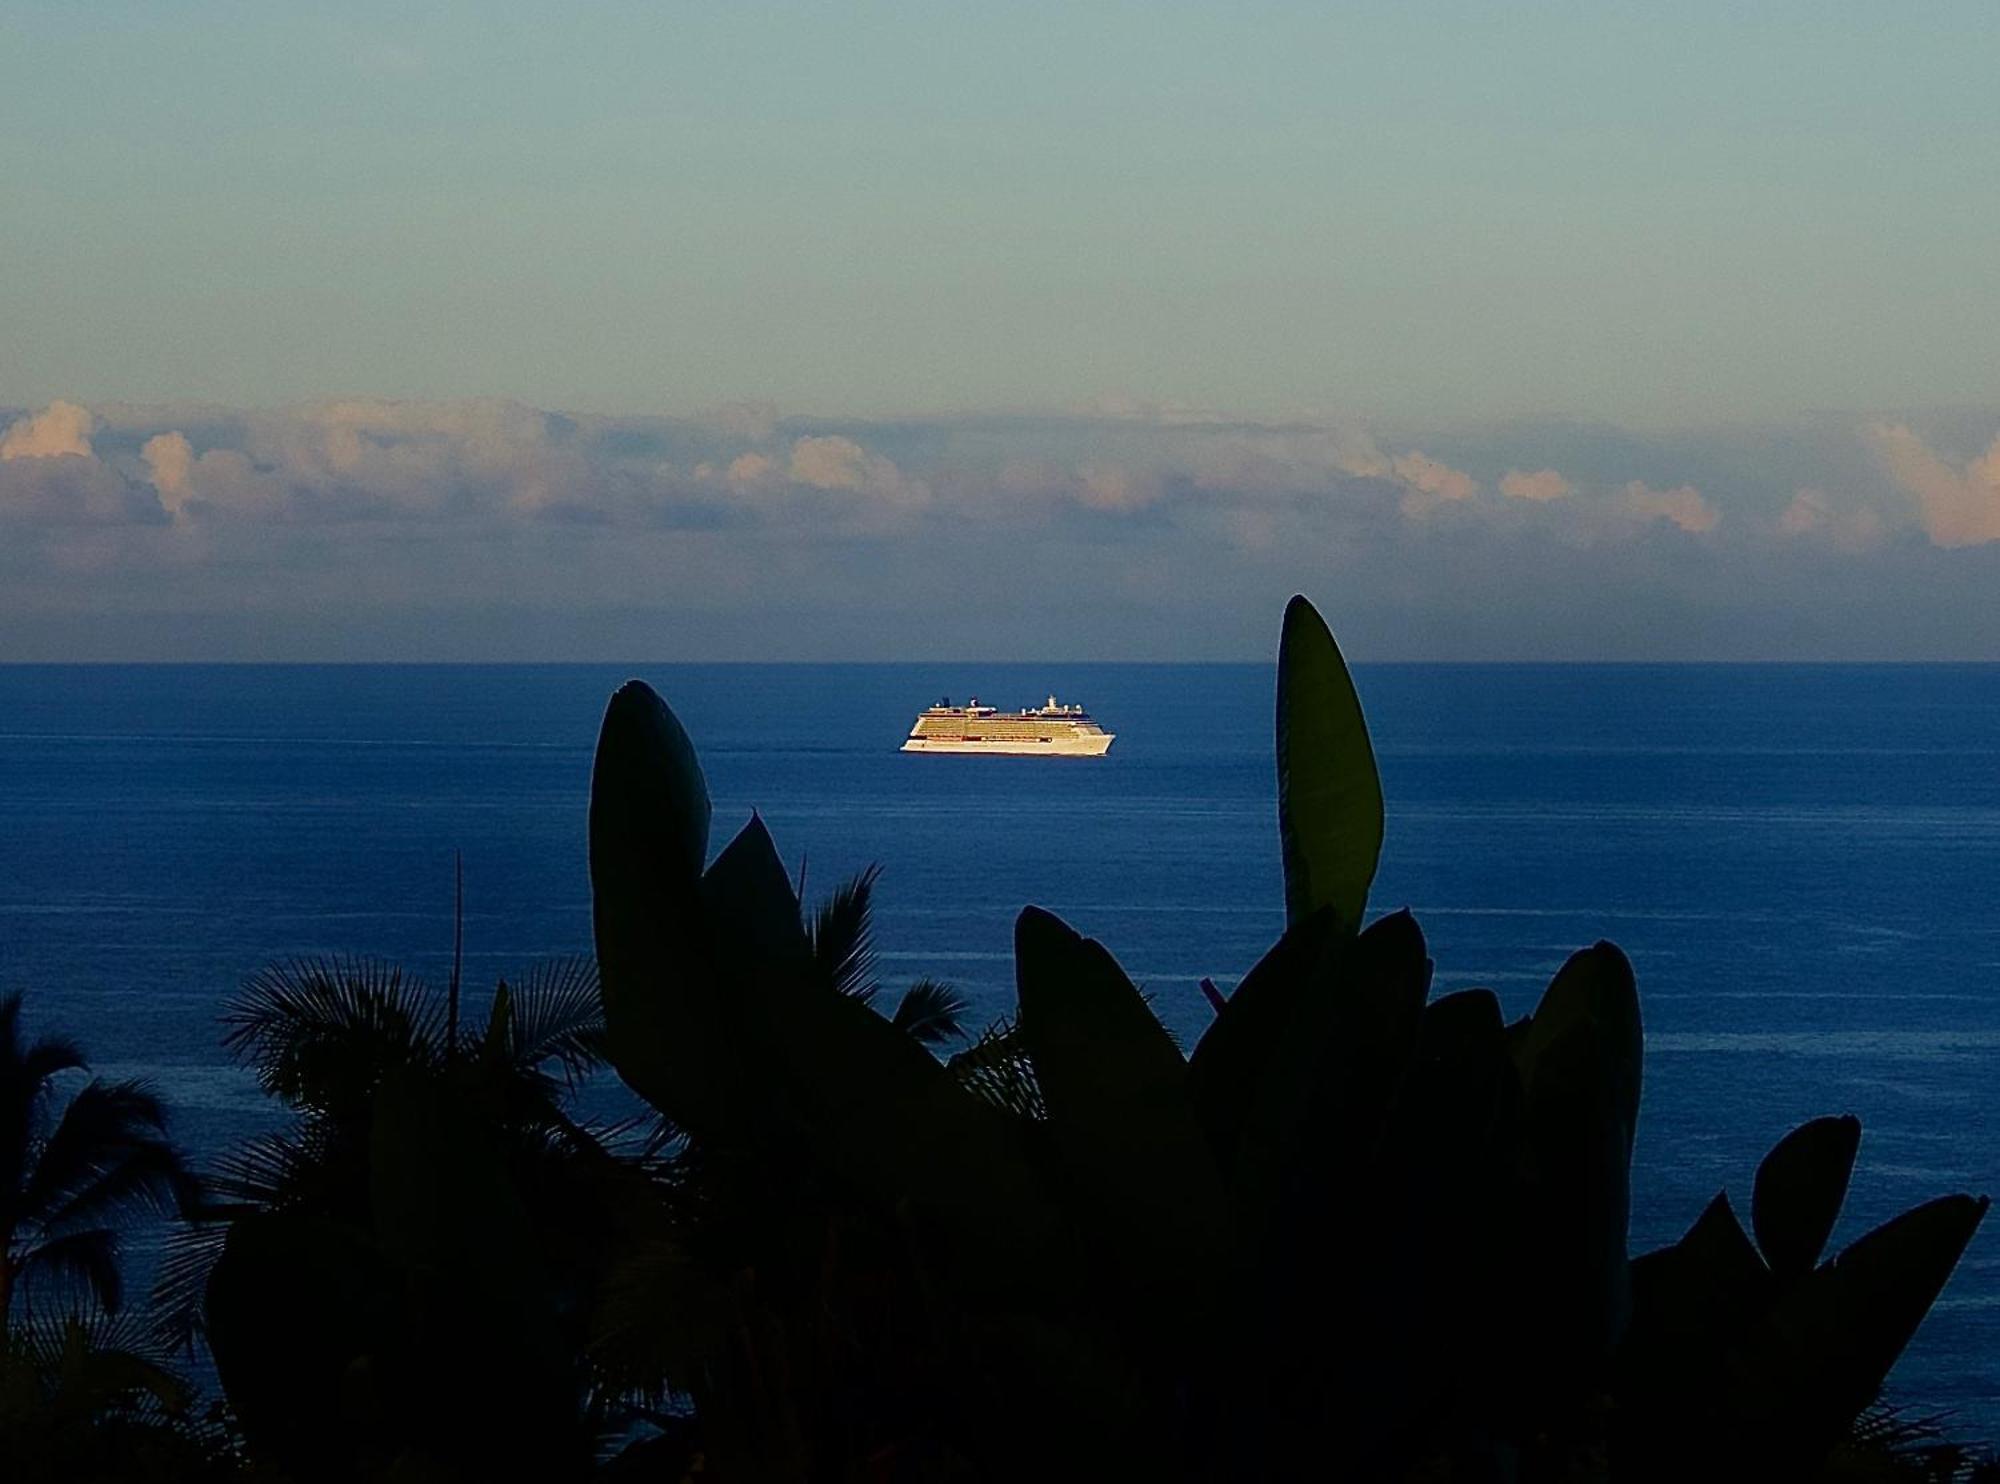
x,y
1958,507
1541,486
62,429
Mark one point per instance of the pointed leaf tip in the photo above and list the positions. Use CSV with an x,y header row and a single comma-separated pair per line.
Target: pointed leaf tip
x,y
1800,1187
1329,791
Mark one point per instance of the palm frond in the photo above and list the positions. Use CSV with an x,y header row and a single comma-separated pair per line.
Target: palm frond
x,y
269,1170
556,1014
931,1012
997,1070
843,937
76,1266
106,1162
27,1082
319,1033
91,1362
176,1319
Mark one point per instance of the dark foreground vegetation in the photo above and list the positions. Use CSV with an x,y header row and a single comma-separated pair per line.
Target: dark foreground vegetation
x,y
1363,1231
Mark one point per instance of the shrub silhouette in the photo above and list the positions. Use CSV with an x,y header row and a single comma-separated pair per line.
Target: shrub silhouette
x,y
400,1281
1360,1228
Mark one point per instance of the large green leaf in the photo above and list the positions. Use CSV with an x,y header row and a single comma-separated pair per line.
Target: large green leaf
x,y
1329,794
1432,1320
1116,1088
1822,1352
1578,1147
1800,1187
882,1112
1595,986
1321,1102
667,1031
1690,1302
1243,1040
753,912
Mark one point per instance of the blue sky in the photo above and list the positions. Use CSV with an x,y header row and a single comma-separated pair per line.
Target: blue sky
x,y
1752,247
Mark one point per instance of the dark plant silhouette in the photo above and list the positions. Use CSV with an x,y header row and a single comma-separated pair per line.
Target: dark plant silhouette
x,y
76,1173
401,1277
82,1398
1361,1229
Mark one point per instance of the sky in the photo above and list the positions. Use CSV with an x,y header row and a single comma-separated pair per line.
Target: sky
x,y
808,331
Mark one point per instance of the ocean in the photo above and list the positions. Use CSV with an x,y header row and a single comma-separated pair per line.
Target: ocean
x,y
1801,861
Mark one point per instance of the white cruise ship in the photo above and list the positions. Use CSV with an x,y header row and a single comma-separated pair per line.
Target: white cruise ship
x,y
1055,730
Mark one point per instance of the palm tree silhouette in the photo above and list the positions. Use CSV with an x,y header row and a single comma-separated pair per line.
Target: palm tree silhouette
x,y
75,1176
322,1035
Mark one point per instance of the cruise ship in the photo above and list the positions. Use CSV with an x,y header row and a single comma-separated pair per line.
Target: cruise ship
x,y
1055,730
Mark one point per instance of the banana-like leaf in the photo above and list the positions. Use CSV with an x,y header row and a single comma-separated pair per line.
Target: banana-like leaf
x,y
1116,1088
1329,793
1596,987
1822,1352
1690,1302
881,1111
666,1027
1800,1187
1578,1146
1241,1043
753,912
1435,1318
1322,1101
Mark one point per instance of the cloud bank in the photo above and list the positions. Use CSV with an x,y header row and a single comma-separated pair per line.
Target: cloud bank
x,y
369,527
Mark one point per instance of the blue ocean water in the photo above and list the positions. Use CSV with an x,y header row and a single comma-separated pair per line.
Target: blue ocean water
x,y
1801,862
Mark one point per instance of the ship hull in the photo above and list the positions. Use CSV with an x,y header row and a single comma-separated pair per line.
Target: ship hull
x,y
1094,744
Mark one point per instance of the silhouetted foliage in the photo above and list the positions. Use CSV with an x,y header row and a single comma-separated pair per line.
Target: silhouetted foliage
x,y
75,1174
402,1279
1360,1229
1363,1230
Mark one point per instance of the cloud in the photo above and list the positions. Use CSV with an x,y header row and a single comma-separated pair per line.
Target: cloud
x,y
834,463
169,459
60,430
1432,476
1113,487
1958,507
52,479
749,468
1683,506
469,506
1541,486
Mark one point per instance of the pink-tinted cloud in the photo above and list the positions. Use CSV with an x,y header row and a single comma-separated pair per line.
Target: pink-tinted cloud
x,y
1958,507
169,460
831,462
749,468
60,430
1683,506
1541,486
1431,476
1115,487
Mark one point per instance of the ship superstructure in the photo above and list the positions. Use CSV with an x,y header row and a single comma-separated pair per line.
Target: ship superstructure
x,y
1054,729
